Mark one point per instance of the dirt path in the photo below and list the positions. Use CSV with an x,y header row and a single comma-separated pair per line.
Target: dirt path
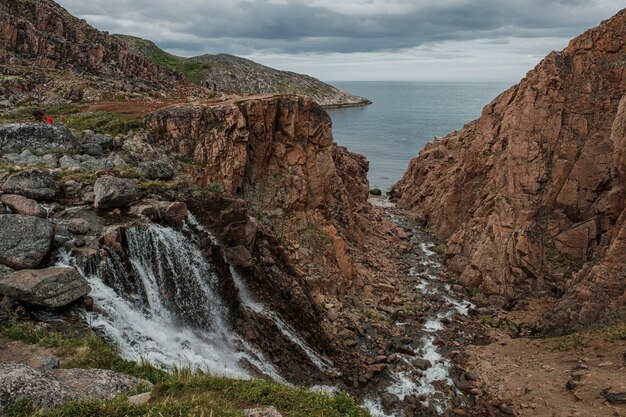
x,y
144,107
557,377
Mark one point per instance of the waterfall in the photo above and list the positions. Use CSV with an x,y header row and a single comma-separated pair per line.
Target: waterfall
x,y
286,330
167,309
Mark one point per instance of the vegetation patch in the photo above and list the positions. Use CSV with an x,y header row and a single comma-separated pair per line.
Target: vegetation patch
x,y
103,122
180,392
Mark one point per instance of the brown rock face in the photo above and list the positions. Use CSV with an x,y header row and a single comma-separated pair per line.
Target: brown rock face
x,y
277,152
531,195
44,34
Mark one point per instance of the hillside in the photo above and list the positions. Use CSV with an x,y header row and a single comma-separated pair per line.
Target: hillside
x,y
530,197
237,75
48,54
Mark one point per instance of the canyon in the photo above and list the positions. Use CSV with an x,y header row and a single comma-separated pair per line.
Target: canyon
x,y
223,235
530,197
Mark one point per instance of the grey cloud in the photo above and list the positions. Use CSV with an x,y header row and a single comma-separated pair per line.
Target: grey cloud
x,y
193,27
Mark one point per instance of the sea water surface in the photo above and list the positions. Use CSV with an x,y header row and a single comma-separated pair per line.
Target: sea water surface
x,y
404,116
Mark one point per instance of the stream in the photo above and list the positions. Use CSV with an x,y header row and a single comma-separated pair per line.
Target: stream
x,y
162,306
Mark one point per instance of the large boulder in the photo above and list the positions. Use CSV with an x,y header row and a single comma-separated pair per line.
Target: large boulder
x,y
24,240
158,170
35,183
49,287
20,382
22,205
22,136
112,192
55,388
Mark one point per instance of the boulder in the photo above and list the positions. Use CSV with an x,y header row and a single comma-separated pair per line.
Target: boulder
x,y
88,384
111,192
615,395
24,240
102,141
22,205
35,183
262,412
49,287
158,170
20,382
78,226
45,363
174,213
22,136
54,388
92,149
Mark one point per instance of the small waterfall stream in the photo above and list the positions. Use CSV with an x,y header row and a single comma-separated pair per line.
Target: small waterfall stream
x,y
167,309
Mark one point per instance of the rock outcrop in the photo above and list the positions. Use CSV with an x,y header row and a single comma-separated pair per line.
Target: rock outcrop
x,y
278,153
111,192
22,136
24,240
531,196
37,184
54,388
49,287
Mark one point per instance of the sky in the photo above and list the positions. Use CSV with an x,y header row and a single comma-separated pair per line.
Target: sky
x,y
360,40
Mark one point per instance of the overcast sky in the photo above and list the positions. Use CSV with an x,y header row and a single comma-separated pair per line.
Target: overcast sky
x,y
460,40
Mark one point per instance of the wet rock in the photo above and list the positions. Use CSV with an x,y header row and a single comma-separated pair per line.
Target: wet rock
x,y
45,363
21,205
376,192
36,184
111,192
174,213
615,395
24,240
145,209
49,287
238,256
21,136
78,226
422,364
158,170
262,412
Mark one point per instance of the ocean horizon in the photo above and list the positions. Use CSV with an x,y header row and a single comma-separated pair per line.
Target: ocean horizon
x,y
404,116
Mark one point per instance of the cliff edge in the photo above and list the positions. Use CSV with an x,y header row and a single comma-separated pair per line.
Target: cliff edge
x,y
530,197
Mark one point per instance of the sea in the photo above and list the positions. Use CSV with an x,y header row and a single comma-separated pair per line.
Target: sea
x,y
405,116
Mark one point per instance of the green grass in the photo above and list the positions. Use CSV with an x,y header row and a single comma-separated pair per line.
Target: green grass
x,y
191,69
178,393
25,113
103,122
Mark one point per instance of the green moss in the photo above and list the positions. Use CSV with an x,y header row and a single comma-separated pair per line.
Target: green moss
x,y
103,122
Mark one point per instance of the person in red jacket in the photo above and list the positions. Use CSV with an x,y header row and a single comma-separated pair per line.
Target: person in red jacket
x,y
49,120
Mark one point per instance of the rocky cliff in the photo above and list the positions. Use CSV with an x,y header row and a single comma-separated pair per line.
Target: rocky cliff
x,y
277,153
237,75
531,196
45,49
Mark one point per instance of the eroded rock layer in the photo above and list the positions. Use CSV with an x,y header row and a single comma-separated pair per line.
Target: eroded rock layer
x,y
531,195
278,153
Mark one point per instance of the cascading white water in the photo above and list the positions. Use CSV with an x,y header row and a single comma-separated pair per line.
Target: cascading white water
x,y
322,364
176,317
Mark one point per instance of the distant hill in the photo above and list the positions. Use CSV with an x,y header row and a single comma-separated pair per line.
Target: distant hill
x,y
242,76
